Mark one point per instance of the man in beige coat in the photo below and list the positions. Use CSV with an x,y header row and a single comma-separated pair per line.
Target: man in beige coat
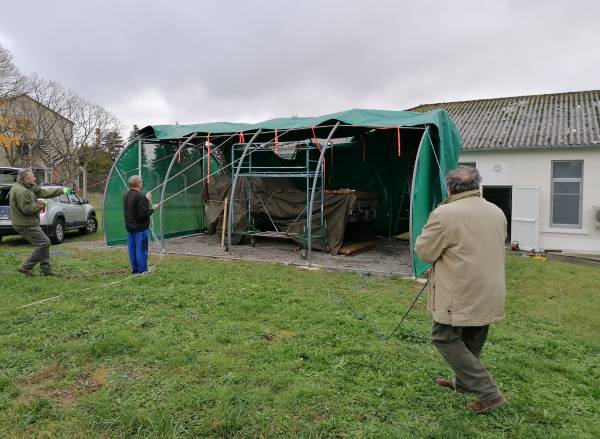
x,y
464,240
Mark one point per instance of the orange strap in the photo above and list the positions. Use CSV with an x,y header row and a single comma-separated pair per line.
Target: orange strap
x,y
315,138
242,140
276,140
208,157
398,132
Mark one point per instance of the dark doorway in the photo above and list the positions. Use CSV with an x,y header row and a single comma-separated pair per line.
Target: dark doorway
x,y
501,196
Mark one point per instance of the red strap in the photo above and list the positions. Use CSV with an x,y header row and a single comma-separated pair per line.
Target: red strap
x,y
242,140
276,140
315,138
398,132
208,157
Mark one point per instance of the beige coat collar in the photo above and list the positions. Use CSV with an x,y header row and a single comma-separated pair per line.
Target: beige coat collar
x,y
456,197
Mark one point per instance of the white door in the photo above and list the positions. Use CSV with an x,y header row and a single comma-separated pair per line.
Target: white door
x,y
525,221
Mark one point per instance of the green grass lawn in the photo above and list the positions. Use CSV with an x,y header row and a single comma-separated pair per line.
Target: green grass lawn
x,y
208,348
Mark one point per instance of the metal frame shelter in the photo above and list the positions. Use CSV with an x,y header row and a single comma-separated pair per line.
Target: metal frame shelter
x,y
388,149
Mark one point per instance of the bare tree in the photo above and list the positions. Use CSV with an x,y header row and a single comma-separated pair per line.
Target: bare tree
x,y
63,124
12,129
41,122
11,81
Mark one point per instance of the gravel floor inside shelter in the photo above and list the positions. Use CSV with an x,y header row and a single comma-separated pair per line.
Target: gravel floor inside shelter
x,y
390,257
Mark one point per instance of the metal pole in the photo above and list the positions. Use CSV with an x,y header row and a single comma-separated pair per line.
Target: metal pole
x,y
307,150
164,189
233,187
314,187
140,157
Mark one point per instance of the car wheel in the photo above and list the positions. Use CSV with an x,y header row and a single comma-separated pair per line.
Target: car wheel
x,y
91,226
59,232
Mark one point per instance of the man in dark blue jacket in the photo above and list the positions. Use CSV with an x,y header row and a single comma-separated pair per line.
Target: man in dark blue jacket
x,y
137,211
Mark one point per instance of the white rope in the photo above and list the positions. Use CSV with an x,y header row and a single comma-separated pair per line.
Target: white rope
x,y
442,177
193,163
263,145
95,287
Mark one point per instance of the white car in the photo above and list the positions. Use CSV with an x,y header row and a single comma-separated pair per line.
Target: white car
x,y
64,213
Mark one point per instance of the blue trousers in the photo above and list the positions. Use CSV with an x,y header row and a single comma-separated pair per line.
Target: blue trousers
x,y
137,243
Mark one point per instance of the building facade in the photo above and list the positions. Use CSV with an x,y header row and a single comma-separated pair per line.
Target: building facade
x,y
45,136
539,158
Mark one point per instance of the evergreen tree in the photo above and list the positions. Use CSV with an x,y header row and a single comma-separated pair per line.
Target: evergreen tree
x,y
132,134
112,143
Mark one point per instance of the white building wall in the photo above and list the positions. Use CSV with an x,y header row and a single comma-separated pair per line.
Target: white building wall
x,y
511,168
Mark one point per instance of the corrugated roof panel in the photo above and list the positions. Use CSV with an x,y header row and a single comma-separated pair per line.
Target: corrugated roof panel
x,y
560,119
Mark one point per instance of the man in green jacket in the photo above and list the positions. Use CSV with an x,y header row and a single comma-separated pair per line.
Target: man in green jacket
x,y
27,199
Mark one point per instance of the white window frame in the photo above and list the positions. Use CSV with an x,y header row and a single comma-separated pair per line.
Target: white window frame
x,y
566,180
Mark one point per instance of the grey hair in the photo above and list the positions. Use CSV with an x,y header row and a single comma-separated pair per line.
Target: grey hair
x,y
462,179
23,173
134,180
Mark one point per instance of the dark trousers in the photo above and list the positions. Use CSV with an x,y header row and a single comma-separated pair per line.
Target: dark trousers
x,y
461,347
137,244
41,247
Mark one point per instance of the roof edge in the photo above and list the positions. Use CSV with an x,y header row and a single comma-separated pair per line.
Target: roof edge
x,y
505,97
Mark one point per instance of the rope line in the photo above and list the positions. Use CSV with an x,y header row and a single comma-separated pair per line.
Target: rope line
x,y
360,316
151,270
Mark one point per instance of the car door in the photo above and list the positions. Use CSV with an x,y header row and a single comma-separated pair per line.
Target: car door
x,y
65,206
77,210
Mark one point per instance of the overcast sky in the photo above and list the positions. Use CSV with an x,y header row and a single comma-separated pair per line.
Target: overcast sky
x,y
156,62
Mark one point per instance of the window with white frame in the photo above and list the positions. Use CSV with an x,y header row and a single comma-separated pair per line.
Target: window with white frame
x,y
567,193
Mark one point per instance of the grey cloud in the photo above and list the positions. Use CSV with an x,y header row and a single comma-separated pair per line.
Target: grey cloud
x,y
159,61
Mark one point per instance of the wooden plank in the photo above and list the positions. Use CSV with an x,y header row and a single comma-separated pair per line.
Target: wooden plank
x,y
356,247
224,223
276,235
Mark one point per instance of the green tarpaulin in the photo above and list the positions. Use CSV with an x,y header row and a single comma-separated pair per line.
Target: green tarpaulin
x,y
432,149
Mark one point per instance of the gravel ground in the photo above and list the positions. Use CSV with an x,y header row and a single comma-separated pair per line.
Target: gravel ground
x,y
389,258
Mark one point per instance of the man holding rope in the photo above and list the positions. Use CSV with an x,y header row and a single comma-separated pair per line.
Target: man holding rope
x,y
138,211
464,240
27,199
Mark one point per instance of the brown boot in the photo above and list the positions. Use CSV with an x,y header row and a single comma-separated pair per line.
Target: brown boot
x,y
487,406
449,384
26,271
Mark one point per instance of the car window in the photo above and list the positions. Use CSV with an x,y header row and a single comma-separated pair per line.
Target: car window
x,y
63,199
74,199
4,196
8,176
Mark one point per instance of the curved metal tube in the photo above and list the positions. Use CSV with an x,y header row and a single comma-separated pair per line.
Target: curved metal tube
x,y
108,180
234,185
312,193
164,189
